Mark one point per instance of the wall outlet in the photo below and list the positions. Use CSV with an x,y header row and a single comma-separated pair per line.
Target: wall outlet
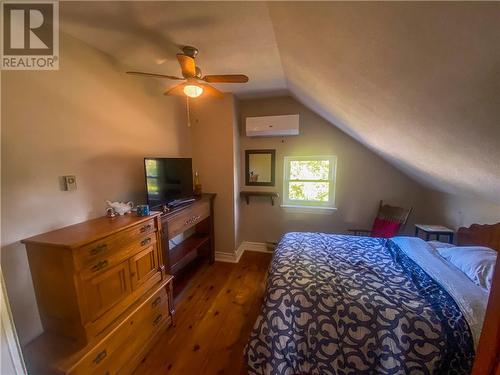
x,y
69,183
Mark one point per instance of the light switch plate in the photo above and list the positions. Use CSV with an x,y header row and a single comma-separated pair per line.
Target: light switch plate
x,y
69,183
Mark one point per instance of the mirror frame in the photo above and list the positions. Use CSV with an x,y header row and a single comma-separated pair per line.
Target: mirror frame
x,y
273,167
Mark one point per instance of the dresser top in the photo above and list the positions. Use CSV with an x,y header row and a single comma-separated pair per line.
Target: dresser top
x,y
89,231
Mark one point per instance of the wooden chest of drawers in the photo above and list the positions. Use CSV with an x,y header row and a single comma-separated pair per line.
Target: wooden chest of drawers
x,y
102,284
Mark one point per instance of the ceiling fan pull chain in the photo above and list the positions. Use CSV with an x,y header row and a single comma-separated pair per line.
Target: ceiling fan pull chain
x,y
188,116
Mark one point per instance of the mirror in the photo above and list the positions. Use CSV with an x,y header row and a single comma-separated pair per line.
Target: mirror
x,y
259,167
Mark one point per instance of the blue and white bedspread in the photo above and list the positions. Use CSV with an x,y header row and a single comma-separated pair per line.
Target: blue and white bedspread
x,y
355,305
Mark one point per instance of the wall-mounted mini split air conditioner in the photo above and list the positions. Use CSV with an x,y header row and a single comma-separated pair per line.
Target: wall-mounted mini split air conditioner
x,y
272,126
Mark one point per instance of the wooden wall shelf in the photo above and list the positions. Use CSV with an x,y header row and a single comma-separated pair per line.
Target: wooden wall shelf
x,y
247,194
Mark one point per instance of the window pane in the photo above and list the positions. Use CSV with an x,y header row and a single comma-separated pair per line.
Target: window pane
x,y
309,169
309,191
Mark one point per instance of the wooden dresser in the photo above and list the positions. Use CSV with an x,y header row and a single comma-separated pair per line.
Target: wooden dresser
x,y
102,292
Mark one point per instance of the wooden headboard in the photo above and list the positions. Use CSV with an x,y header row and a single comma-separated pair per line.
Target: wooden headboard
x,y
488,351
481,235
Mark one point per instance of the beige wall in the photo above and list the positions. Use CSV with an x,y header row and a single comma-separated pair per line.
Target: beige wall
x,y
236,177
88,119
212,132
363,178
456,210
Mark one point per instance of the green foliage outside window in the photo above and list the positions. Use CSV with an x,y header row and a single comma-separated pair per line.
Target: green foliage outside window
x,y
309,170
309,191
309,180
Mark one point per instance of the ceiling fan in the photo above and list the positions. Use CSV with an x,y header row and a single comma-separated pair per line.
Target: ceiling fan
x,y
194,82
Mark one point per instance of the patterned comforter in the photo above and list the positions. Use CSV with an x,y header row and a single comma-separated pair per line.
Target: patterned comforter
x,y
355,305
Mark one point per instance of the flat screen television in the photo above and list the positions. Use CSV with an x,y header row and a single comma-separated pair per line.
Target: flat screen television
x,y
168,179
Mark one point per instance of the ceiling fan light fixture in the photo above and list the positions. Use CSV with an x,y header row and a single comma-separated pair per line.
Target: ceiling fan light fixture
x,y
194,82
193,91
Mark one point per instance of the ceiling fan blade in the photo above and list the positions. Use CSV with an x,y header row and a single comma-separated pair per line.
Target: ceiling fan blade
x,y
226,78
154,75
187,65
176,90
210,90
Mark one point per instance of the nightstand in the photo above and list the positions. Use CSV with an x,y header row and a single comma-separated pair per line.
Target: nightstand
x,y
434,230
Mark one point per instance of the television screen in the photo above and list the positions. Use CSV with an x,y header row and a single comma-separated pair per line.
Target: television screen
x,y
168,179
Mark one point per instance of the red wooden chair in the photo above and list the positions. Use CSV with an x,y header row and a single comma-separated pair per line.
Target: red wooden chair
x,y
389,221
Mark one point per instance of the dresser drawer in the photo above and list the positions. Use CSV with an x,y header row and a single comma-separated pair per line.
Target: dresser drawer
x,y
113,353
188,218
87,254
149,330
158,300
101,263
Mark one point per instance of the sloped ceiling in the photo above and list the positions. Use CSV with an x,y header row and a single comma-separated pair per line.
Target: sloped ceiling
x,y
419,83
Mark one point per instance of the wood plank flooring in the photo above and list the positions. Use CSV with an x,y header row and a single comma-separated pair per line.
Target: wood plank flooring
x,y
214,315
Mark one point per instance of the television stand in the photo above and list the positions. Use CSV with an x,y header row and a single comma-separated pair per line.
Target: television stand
x,y
197,217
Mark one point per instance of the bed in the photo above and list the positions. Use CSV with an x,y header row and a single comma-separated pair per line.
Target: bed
x,y
338,304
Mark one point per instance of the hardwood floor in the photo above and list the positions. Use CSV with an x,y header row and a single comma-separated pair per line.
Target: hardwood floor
x,y
214,315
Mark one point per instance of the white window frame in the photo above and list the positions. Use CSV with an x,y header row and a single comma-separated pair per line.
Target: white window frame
x,y
330,204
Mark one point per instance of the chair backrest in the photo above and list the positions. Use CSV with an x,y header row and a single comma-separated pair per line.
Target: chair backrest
x,y
393,213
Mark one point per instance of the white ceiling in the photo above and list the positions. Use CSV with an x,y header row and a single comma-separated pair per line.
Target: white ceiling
x,y
232,37
419,83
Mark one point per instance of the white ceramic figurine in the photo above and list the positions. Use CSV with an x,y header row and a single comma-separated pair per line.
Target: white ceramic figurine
x,y
121,208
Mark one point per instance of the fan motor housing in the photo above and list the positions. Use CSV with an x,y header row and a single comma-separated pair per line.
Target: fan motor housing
x,y
190,51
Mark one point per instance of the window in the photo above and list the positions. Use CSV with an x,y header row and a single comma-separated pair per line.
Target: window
x,y
309,181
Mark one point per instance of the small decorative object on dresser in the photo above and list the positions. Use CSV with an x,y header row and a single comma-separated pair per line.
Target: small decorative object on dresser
x,y
142,210
434,230
110,212
121,208
103,295
197,185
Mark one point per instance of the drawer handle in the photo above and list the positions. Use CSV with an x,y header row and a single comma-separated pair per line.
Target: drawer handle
x,y
100,357
157,320
99,249
146,228
192,220
156,302
145,241
99,266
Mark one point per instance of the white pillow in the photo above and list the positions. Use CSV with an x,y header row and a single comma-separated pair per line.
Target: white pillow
x,y
477,262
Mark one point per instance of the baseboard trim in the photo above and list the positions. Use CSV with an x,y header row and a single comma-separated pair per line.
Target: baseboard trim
x,y
225,257
259,247
228,257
